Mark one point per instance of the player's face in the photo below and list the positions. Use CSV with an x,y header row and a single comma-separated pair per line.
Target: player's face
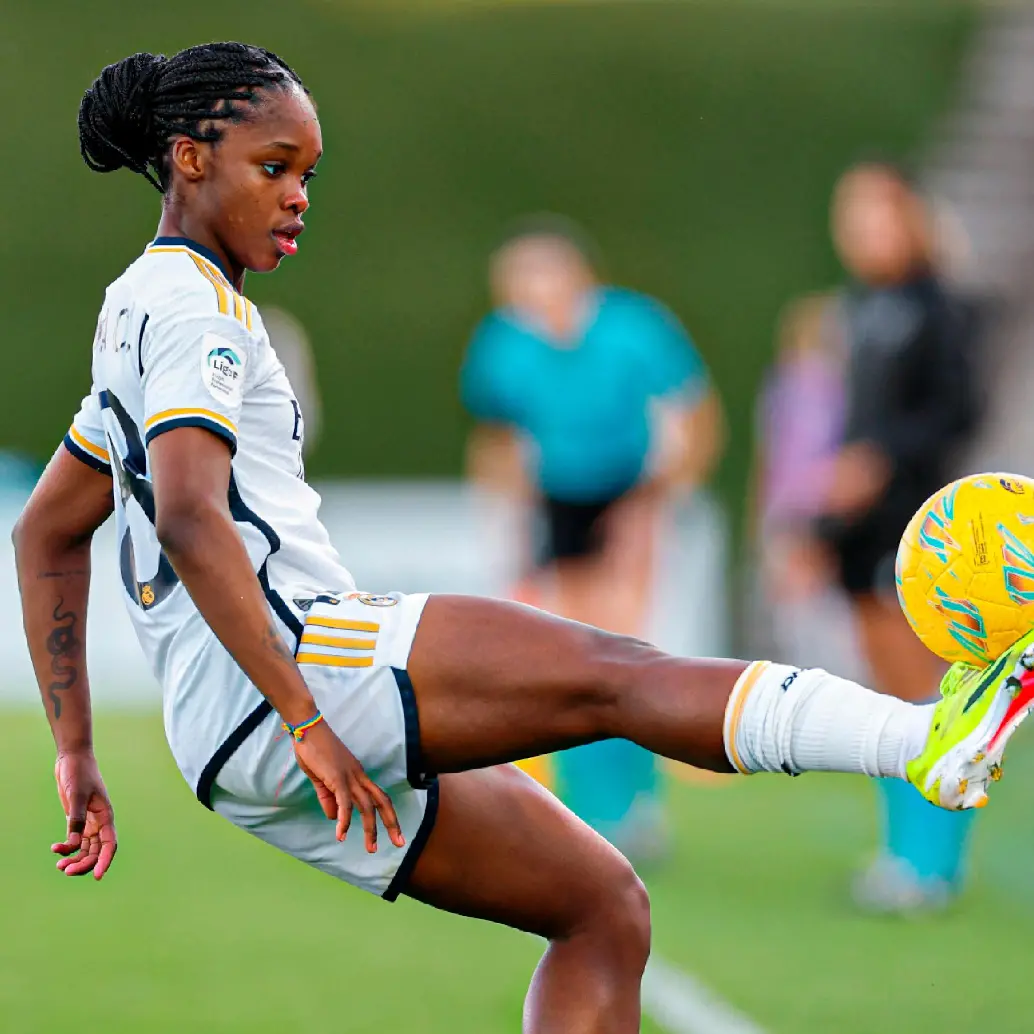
x,y
255,189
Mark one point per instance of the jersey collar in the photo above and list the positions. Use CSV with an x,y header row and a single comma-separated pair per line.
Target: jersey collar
x,y
186,242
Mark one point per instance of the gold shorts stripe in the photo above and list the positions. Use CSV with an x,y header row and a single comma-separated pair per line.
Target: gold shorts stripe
x,y
335,662
353,626
311,639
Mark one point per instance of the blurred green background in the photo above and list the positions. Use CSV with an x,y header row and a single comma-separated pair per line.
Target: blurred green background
x,y
696,141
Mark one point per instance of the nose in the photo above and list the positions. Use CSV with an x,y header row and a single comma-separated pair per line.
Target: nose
x,y
297,200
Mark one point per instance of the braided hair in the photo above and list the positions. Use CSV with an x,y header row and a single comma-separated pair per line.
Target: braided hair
x,y
135,106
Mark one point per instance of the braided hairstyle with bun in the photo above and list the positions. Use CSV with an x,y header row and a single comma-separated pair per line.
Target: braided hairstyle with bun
x,y
137,105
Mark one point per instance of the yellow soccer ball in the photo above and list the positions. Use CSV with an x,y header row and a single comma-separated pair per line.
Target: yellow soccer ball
x,y
965,567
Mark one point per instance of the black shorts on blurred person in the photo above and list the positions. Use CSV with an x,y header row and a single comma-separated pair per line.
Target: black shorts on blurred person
x,y
864,552
911,397
573,530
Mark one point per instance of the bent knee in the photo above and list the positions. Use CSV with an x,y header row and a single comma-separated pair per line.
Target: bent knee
x,y
618,913
631,915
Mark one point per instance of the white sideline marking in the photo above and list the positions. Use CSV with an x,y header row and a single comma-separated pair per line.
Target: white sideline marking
x,y
682,1005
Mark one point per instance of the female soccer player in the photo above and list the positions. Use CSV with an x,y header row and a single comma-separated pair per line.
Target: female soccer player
x,y
191,436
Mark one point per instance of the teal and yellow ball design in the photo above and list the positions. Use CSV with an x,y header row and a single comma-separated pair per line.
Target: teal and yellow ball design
x,y
965,567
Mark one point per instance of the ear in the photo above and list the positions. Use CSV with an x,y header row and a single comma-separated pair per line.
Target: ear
x,y
188,159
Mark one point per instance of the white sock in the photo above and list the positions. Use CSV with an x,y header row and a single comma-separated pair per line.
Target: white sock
x,y
783,719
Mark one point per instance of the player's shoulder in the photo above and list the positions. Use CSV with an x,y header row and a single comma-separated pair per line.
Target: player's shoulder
x,y
625,303
495,335
178,282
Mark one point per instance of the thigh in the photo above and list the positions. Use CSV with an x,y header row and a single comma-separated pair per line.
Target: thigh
x,y
496,681
506,850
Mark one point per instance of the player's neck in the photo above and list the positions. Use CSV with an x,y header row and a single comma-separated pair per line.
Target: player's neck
x,y
175,223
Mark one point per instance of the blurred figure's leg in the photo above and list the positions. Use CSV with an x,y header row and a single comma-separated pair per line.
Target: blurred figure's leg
x,y
922,857
614,786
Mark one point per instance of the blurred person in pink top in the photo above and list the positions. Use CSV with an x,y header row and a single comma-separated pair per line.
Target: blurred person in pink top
x,y
800,421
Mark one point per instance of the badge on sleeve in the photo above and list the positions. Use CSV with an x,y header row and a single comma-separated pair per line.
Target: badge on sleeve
x,y
222,370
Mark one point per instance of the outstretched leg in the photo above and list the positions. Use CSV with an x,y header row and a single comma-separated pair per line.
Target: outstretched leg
x,y
496,681
506,850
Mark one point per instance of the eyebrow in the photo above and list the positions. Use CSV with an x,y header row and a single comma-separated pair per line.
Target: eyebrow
x,y
286,146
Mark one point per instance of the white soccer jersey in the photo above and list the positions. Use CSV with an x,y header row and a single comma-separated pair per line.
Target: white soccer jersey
x,y
176,346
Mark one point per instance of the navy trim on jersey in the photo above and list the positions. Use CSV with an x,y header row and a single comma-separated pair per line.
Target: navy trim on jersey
x,y
193,421
416,772
84,457
416,848
140,343
243,514
186,242
136,454
279,605
227,749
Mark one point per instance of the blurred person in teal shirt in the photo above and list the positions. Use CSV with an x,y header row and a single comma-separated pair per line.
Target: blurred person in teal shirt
x,y
593,403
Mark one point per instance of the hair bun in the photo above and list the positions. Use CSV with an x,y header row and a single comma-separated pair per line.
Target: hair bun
x,y
116,128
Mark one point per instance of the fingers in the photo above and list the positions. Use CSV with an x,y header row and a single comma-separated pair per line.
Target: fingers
x,y
76,825
372,801
367,814
108,847
96,845
328,802
85,860
323,794
386,810
344,812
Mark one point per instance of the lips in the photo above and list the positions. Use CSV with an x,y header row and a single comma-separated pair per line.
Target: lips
x,y
286,237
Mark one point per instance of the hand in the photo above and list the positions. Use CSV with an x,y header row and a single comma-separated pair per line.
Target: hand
x,y
90,841
340,783
797,566
859,475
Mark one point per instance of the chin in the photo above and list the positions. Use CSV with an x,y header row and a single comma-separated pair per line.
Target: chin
x,y
265,262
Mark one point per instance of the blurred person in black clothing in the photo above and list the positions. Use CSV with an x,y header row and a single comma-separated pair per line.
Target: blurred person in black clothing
x,y
911,402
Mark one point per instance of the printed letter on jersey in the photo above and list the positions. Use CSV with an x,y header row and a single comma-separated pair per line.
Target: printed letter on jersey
x,y
222,369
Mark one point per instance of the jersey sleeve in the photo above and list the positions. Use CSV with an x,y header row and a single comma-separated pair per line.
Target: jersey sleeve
x,y
674,365
484,377
86,439
195,371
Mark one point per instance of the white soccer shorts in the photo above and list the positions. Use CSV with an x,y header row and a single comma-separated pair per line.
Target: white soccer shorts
x,y
353,654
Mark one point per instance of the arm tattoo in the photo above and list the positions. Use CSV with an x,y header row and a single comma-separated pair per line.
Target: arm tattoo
x,y
62,644
276,643
62,574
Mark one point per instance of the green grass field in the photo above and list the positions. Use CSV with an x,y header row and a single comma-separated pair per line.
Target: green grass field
x,y
198,928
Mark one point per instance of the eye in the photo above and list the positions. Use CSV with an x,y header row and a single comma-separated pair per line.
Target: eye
x,y
308,177
273,169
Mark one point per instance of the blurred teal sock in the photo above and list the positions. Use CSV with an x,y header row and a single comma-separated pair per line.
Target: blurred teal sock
x,y
933,842
601,782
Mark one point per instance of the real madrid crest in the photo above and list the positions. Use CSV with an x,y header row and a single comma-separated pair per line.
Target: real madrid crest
x,y
372,600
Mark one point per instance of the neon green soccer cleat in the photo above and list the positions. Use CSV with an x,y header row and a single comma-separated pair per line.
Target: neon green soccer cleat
x,y
980,709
